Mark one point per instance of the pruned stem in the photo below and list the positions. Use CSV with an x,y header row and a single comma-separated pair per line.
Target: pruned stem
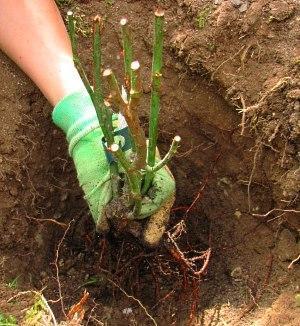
x,y
128,51
172,151
115,97
132,118
72,33
155,92
103,113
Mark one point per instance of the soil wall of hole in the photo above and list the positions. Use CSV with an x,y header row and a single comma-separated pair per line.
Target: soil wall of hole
x,y
210,74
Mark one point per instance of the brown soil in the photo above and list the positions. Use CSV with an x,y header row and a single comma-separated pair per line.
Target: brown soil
x,y
234,167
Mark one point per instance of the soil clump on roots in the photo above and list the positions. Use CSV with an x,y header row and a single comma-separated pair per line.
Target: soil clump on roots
x,y
230,255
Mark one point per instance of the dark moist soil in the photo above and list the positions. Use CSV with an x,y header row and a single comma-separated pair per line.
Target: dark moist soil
x,y
221,58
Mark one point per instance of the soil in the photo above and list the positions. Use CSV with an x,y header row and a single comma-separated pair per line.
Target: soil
x,y
231,91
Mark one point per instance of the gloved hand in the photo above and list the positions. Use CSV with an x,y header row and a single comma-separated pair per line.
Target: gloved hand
x,y
76,116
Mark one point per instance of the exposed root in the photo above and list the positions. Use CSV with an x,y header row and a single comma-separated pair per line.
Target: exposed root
x,y
243,115
255,159
188,260
281,83
60,299
277,210
293,262
48,220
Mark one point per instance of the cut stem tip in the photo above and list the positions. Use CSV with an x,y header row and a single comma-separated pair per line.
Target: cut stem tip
x,y
114,148
70,13
123,21
159,13
177,139
135,65
107,72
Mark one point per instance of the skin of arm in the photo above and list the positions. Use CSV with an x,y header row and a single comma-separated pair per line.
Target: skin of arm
x,y
33,35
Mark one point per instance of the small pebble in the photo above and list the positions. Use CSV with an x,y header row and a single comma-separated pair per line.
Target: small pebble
x,y
13,191
127,311
237,214
57,215
64,196
243,7
236,3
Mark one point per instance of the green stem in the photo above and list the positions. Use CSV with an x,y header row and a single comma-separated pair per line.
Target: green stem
x,y
132,118
133,177
155,94
115,97
103,113
128,51
172,151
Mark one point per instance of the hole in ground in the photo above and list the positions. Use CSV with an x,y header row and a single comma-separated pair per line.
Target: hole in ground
x,y
210,171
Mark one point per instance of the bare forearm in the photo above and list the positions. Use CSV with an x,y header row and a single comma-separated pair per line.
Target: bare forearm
x,y
32,33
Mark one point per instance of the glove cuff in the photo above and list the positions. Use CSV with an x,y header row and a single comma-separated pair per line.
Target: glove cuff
x,y
76,116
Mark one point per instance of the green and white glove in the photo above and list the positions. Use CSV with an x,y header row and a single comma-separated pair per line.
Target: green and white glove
x,y
76,116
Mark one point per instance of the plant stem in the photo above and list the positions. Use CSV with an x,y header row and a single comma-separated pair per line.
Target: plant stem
x,y
133,176
172,151
115,97
128,51
77,63
155,93
132,118
104,114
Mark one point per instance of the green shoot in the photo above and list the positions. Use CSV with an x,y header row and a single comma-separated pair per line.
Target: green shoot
x,y
13,284
103,113
155,93
202,17
172,151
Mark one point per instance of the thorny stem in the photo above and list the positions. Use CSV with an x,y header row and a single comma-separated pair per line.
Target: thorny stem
x,y
137,133
132,118
155,93
128,51
172,151
103,113
115,97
